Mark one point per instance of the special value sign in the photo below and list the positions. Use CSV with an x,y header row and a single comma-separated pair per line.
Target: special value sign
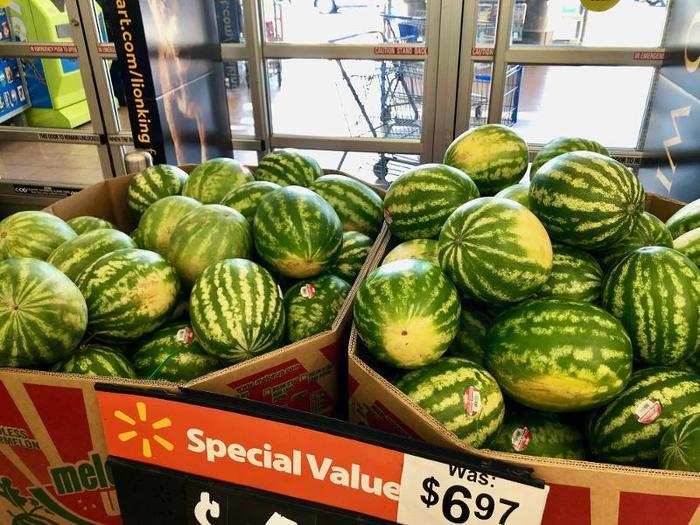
x,y
311,465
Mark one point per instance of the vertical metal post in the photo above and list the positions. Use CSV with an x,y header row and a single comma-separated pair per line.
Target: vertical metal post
x,y
500,61
88,77
465,82
431,81
257,67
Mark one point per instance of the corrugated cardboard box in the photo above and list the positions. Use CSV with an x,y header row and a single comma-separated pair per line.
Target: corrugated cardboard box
x,y
581,493
52,448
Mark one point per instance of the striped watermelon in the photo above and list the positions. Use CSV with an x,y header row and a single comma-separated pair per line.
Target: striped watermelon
x,y
74,256
86,223
586,199
34,234
647,231
312,305
576,276
237,310
212,180
470,342
680,445
494,156
565,145
97,360
160,219
356,247
128,293
297,232
693,362
538,434
407,313
246,198
629,429
419,201
206,235
358,206
517,192
288,167
42,314
559,356
689,245
685,219
463,397
495,249
152,184
423,249
173,354
137,237
654,292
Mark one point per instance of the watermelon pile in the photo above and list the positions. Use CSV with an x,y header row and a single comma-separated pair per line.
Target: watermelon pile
x,y
198,284
559,295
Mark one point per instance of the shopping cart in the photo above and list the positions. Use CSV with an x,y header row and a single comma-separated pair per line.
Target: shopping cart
x,y
481,90
384,99
487,16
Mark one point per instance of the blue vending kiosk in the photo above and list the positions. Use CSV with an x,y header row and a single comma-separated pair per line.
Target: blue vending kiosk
x,y
14,98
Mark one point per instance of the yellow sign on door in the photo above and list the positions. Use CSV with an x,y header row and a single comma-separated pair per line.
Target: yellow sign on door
x,y
599,5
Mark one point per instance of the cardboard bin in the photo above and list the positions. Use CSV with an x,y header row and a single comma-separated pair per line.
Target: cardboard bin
x,y
581,493
52,449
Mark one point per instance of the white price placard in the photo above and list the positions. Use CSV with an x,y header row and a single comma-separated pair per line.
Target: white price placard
x,y
438,493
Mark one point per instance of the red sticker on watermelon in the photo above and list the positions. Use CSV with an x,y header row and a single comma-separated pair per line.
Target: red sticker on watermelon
x,y
185,335
471,400
521,438
647,411
308,291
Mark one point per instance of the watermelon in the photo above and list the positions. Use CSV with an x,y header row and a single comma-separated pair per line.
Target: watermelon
x,y
297,232
586,199
137,237
312,305
159,221
462,396
152,184
629,430
576,276
422,249
73,256
172,353
689,245
654,292
538,434
407,313
685,219
206,235
420,200
494,156
212,180
129,293
34,234
86,223
470,342
565,145
647,231
358,206
495,249
97,360
356,247
517,192
288,167
693,362
680,445
42,313
237,310
246,198
559,356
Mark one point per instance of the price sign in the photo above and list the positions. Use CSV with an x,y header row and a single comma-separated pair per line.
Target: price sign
x,y
433,492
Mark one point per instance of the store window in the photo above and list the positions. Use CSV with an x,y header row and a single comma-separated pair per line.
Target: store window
x,y
631,23
375,168
345,21
606,104
348,98
240,106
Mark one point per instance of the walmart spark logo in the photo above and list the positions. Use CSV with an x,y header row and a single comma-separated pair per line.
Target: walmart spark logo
x,y
162,423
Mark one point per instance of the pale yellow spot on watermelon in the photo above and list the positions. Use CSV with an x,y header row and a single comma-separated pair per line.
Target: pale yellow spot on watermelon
x,y
555,391
412,340
533,239
299,268
157,293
